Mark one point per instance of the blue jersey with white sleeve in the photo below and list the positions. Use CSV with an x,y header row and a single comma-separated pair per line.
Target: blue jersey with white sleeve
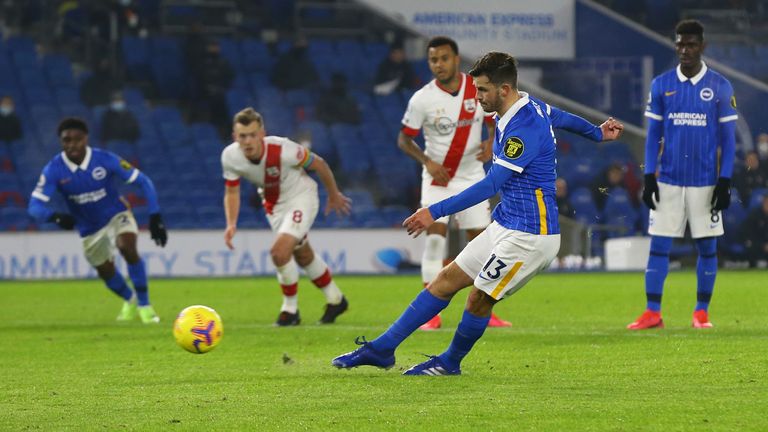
x,y
89,188
694,117
523,170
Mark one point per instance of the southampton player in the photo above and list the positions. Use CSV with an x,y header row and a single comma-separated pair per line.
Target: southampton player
x,y
447,112
521,241
693,109
85,177
278,167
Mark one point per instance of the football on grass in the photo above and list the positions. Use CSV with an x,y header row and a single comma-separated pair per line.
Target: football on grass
x,y
198,329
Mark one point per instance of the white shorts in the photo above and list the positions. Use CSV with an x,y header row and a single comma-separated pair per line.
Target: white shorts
x,y
475,217
503,260
296,216
99,247
680,204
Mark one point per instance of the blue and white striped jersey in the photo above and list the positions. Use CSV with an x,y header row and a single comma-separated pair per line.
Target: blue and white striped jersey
x,y
692,111
525,143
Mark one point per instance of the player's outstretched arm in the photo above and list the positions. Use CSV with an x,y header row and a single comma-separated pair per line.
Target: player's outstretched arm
x,y
231,211
337,201
475,194
437,171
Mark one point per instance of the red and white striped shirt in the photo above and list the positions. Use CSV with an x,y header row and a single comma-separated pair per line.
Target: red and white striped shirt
x,y
279,174
452,126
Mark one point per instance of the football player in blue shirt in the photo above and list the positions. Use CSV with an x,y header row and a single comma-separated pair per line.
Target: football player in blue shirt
x,y
693,109
521,241
85,177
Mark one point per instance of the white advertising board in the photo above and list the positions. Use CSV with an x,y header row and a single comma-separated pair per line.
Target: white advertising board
x,y
59,255
541,29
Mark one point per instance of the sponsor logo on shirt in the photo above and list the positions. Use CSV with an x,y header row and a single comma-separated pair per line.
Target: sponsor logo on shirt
x,y
89,197
124,164
446,126
670,93
688,119
733,102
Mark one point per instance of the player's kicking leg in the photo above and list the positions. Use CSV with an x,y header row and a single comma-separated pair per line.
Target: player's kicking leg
x,y
495,320
380,352
317,270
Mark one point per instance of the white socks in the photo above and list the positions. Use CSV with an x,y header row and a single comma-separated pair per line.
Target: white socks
x,y
432,259
288,277
318,271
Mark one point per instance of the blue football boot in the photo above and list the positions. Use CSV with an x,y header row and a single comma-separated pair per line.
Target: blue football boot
x,y
364,356
434,366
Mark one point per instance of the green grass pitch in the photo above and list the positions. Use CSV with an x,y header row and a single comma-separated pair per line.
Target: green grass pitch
x,y
566,364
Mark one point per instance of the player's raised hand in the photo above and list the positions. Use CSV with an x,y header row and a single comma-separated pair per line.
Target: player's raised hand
x,y
438,172
229,234
416,223
157,229
486,150
339,203
611,129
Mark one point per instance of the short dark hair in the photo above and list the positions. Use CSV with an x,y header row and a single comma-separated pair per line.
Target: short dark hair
x,y
690,27
500,68
443,40
72,123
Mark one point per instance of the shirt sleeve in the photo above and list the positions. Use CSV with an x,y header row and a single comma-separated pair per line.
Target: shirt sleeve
x,y
413,119
726,103
46,185
518,149
296,155
121,168
570,122
655,107
228,172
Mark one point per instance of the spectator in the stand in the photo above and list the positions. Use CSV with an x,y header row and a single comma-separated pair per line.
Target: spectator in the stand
x,y
335,105
394,72
98,88
762,150
611,180
118,123
215,76
10,125
755,234
564,206
293,69
750,176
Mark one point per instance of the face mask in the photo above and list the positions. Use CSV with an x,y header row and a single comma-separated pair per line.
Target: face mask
x,y
118,105
6,110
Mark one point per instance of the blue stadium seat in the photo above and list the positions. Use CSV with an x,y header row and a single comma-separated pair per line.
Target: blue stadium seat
x,y
136,55
133,96
256,55
585,210
756,199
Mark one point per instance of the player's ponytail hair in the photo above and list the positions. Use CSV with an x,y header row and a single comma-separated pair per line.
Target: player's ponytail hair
x,y
71,123
690,27
500,68
248,116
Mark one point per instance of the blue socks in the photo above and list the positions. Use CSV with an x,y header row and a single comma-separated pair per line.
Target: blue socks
x,y
118,285
423,307
706,271
470,329
138,274
656,271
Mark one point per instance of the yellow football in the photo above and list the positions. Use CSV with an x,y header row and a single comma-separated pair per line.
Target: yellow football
x,y
198,329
